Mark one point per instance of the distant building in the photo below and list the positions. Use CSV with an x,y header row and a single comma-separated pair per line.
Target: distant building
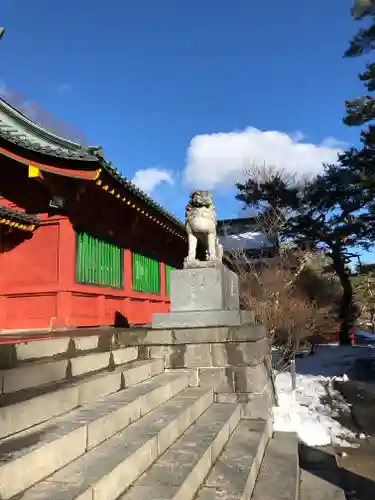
x,y
245,236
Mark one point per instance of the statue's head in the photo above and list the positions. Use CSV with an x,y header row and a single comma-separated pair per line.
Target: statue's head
x,y
201,199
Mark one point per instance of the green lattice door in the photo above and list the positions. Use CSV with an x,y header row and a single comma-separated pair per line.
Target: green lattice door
x,y
145,274
98,262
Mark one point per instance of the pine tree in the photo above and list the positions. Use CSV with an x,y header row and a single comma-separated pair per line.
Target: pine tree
x,y
359,162
324,213
362,109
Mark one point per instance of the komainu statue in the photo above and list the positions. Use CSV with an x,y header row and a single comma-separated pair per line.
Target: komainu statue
x,y
201,225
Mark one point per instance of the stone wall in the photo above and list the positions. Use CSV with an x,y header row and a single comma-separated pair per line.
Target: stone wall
x,y
234,360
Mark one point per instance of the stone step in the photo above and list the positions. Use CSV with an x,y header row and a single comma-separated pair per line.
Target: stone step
x,y
63,346
321,476
179,473
234,473
279,475
35,374
12,354
106,471
320,485
24,409
39,452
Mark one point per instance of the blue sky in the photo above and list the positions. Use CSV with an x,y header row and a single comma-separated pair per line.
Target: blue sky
x,y
188,93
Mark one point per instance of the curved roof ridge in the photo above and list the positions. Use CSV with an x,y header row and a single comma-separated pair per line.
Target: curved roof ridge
x,y
38,130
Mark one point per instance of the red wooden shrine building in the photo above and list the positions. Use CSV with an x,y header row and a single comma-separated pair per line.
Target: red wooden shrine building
x,y
80,245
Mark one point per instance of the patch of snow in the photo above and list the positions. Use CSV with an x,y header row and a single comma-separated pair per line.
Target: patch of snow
x,y
304,413
304,410
344,378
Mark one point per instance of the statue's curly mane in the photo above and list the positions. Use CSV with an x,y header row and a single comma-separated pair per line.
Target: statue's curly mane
x,y
200,204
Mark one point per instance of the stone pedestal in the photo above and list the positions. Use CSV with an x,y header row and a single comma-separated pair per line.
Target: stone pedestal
x,y
203,296
204,289
201,319
207,334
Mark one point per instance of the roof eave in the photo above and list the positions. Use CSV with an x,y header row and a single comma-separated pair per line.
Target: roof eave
x,y
45,150
130,186
12,212
36,129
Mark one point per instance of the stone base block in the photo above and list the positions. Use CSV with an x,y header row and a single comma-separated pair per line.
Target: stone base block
x,y
252,405
201,319
204,289
235,379
184,336
258,407
212,356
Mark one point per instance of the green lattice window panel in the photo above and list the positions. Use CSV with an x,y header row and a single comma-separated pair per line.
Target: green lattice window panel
x,y
145,274
98,262
168,270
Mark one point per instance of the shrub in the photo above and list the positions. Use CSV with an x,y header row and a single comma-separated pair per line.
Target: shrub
x,y
290,296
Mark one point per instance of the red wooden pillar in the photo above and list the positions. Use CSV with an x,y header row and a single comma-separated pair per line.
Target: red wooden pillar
x,y
163,289
162,280
127,271
66,264
2,282
127,283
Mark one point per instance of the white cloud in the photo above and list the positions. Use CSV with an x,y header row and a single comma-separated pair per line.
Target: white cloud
x,y
150,178
331,142
220,159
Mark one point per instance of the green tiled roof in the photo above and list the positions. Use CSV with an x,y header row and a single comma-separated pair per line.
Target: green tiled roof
x,y
15,127
18,129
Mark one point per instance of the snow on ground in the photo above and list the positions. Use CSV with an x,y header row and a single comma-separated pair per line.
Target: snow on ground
x,y
303,411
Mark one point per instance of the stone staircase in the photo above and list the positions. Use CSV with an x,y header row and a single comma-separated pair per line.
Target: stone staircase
x,y
86,418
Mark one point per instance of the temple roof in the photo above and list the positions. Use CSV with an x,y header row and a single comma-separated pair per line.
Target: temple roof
x,y
19,130
18,219
15,127
132,188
